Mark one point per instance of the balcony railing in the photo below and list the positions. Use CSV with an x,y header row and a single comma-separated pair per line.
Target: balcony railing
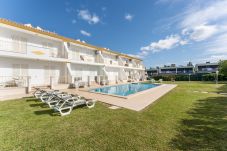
x,y
86,58
184,72
26,48
167,72
15,47
208,69
111,62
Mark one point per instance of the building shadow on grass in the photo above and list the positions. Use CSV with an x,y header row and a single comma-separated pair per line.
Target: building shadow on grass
x,y
206,128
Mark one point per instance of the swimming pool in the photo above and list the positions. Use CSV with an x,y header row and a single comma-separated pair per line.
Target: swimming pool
x,y
124,89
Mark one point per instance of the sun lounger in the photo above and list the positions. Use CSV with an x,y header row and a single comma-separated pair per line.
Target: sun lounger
x,y
62,102
38,92
54,99
65,105
47,96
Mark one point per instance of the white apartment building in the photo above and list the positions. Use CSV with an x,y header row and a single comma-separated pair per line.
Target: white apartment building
x,y
44,58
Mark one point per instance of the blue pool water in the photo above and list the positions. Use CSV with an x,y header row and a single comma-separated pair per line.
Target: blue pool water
x,y
124,89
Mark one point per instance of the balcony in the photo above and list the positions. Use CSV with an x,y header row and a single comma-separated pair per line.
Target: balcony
x,y
168,72
185,72
77,57
111,62
207,70
30,49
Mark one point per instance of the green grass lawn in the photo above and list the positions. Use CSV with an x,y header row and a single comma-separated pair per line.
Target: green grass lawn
x,y
181,120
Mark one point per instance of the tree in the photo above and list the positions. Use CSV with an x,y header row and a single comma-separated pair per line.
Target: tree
x,y
223,67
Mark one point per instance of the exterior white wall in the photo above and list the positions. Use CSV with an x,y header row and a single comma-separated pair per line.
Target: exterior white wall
x,y
39,71
33,45
110,59
84,71
113,73
80,52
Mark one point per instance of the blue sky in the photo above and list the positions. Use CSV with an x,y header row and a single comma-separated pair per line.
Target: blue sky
x,y
159,31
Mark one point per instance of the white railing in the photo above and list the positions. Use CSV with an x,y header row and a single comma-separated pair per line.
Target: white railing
x,y
13,81
111,62
15,47
86,58
25,48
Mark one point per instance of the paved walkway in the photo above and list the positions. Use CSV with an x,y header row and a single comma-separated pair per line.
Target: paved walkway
x,y
136,103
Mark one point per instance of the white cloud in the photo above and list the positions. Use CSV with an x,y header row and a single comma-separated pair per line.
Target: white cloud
x,y
183,42
89,17
203,22
200,32
85,33
129,17
207,14
212,58
163,44
216,45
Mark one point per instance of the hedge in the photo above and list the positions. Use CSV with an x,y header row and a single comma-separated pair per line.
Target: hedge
x,y
193,77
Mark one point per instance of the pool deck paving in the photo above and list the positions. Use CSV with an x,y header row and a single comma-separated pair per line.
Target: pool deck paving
x,y
135,102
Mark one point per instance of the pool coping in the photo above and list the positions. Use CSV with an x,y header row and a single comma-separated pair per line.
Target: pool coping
x,y
125,97
136,103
